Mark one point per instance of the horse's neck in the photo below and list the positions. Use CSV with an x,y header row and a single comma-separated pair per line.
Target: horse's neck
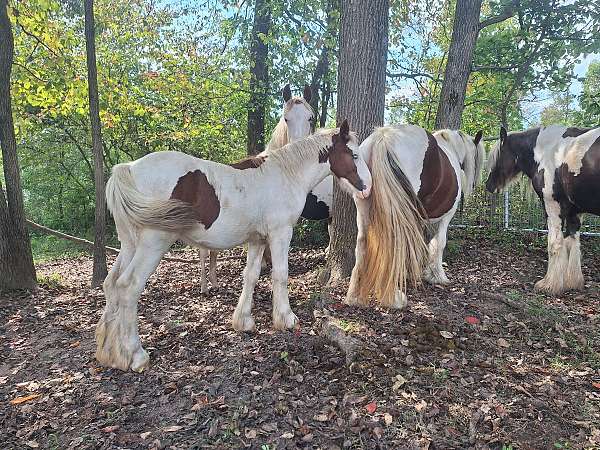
x,y
279,138
305,173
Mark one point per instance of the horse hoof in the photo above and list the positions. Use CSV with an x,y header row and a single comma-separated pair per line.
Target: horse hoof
x,y
548,287
354,301
140,360
285,321
400,301
244,323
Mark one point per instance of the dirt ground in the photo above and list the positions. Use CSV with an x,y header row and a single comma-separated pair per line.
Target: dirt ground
x,y
482,363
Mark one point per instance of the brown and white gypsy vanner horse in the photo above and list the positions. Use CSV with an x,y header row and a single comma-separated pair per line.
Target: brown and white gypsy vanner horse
x,y
296,122
563,164
418,179
169,196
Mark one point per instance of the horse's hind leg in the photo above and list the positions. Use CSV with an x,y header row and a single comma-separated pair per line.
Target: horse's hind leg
x,y
117,337
242,316
362,222
573,275
203,255
434,272
212,267
127,239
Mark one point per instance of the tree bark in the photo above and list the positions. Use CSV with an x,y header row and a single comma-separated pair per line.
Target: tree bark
x,y
458,68
16,261
361,99
99,270
259,77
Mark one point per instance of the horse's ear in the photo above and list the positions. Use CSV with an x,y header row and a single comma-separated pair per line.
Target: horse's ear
x,y
287,93
478,137
345,129
307,94
503,134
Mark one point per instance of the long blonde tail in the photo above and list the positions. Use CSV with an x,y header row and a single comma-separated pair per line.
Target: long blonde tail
x,y
129,206
396,251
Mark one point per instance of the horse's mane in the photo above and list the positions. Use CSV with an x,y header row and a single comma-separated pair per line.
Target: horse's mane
x,y
292,156
468,154
279,138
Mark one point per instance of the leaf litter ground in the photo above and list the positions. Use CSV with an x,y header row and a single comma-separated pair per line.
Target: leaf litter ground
x,y
482,363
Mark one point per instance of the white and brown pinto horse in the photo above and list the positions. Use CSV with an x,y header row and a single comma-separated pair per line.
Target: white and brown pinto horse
x,y
418,179
564,167
296,122
169,196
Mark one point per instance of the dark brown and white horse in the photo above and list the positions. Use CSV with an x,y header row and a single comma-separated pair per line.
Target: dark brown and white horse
x,y
296,122
169,196
418,178
563,164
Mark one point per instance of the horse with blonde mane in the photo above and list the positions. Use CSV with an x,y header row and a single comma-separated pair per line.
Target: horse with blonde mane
x,y
169,196
296,122
418,178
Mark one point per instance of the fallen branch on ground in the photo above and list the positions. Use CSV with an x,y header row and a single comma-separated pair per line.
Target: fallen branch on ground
x,y
112,250
328,328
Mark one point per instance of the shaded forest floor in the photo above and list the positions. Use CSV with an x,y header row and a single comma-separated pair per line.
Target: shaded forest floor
x,y
460,368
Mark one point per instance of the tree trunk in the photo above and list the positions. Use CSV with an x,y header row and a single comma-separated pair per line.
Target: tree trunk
x,y
99,271
458,67
321,73
259,77
16,261
361,99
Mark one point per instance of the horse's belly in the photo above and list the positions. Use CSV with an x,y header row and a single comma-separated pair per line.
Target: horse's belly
x,y
583,188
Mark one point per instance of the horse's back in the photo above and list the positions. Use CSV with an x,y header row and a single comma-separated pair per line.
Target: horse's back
x,y
579,171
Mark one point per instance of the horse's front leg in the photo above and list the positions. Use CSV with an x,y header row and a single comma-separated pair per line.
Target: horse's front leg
x,y
574,275
362,222
203,255
553,282
279,243
242,316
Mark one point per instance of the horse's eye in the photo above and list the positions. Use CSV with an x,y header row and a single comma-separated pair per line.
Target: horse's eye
x,y
354,156
285,119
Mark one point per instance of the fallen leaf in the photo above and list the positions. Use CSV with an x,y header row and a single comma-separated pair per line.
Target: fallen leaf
x,y
421,405
26,398
74,344
596,385
287,435
145,435
399,381
371,407
388,419
250,433
32,444
111,428
172,428
472,320
503,343
321,417
446,334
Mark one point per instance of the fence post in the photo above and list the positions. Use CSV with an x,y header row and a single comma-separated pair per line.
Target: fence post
x,y
506,209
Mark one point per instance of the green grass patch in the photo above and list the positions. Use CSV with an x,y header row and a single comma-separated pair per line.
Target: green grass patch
x,y
47,248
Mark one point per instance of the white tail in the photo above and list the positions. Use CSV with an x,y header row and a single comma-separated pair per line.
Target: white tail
x,y
128,205
395,251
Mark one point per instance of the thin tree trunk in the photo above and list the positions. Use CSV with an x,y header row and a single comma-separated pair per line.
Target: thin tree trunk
x,y
16,261
259,77
458,67
322,68
361,99
99,270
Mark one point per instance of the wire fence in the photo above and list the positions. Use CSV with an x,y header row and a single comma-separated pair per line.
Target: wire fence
x,y
517,208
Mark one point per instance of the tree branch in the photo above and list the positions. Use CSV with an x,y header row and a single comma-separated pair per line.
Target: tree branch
x,y
508,12
412,75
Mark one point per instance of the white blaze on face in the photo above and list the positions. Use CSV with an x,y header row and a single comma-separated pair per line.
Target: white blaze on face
x,y
363,172
298,120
